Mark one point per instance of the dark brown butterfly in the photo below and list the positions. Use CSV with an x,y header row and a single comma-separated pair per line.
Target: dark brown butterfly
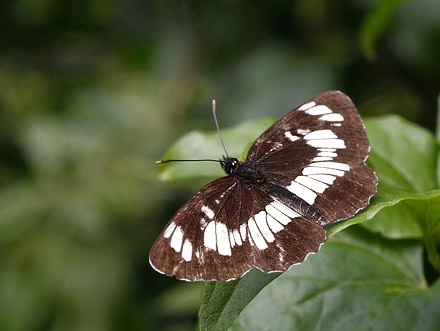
x,y
305,171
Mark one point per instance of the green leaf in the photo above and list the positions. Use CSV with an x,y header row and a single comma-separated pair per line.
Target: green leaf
x,y
391,227
375,24
404,157
427,216
222,302
357,281
395,223
438,140
402,153
200,144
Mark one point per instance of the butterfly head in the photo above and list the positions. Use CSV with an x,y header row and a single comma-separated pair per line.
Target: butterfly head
x,y
229,165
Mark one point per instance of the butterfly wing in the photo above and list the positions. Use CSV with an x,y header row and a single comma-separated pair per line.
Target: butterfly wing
x,y
186,246
317,152
313,160
279,236
227,228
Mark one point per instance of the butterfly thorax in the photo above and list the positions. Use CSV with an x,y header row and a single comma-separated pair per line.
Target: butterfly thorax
x,y
235,168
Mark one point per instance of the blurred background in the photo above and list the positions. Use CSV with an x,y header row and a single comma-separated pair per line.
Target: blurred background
x,y
92,92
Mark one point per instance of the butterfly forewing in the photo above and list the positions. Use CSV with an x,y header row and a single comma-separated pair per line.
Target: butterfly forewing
x,y
317,151
328,122
227,228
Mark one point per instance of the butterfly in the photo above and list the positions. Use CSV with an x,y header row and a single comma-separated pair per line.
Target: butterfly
x,y
305,171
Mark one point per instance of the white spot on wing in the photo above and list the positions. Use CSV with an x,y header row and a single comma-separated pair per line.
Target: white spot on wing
x,y
187,250
237,237
280,256
260,219
169,230
250,240
332,118
302,131
208,212
311,183
202,224
332,165
322,171
176,239
290,136
329,154
256,235
321,158
330,143
231,239
209,236
303,192
276,214
273,224
307,105
275,146
224,247
324,178
321,134
318,110
243,231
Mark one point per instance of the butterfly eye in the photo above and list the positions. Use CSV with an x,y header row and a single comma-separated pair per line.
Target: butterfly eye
x,y
234,162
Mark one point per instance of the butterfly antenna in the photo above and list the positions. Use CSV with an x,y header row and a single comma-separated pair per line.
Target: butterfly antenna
x,y
218,128
198,160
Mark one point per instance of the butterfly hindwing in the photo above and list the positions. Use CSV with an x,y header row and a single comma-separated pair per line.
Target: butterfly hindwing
x,y
280,237
200,223
227,228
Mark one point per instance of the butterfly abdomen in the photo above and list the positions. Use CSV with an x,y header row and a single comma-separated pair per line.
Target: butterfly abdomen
x,y
296,203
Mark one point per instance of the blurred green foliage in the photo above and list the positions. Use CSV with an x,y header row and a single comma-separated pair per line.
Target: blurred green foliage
x,y
92,92
375,24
